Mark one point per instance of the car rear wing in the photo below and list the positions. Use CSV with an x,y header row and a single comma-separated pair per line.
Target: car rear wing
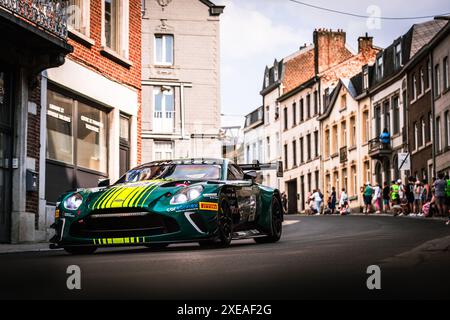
x,y
257,166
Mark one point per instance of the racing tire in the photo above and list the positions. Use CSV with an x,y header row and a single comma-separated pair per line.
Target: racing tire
x,y
224,224
80,250
276,225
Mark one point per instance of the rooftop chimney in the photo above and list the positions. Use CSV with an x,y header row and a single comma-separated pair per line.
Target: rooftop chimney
x,y
365,44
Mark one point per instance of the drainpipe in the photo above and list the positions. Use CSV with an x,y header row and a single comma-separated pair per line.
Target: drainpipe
x,y
43,150
182,111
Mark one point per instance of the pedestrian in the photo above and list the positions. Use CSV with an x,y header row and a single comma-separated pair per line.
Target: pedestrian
x,y
418,196
439,190
343,202
377,197
426,192
409,193
447,196
332,200
284,202
317,197
386,198
368,194
395,197
385,138
401,190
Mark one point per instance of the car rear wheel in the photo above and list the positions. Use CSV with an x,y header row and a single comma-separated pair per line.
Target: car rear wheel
x,y
276,225
80,250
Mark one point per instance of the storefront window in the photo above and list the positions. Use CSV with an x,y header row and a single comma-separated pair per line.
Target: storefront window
x,y
91,141
59,128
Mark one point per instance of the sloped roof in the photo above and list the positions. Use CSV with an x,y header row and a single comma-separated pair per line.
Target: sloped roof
x,y
299,69
423,33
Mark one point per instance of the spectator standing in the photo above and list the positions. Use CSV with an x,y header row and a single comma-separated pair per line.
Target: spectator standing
x,y
332,200
418,195
439,192
386,197
318,198
284,201
409,193
385,138
343,202
368,194
377,197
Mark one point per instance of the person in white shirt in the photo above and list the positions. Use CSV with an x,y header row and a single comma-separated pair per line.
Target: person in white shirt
x,y
343,201
318,198
377,197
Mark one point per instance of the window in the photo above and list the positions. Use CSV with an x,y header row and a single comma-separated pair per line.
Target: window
x,y
266,79
316,103
164,49
75,126
354,183
423,132
260,150
285,114
308,106
422,81
294,114
352,131
164,109
396,114
294,153
414,87
343,101
268,148
286,156
334,141
387,115
164,150
430,126
301,110
438,134
365,78
308,147
277,135
429,73
327,143
366,126
267,119
302,158
367,171
415,137
398,55
343,133
377,121
344,179
380,67
78,16
437,81
255,152
275,73
60,128
447,128
446,84
316,178
91,138
316,144
248,154
116,25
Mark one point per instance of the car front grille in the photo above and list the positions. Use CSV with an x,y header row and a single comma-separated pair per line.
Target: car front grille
x,y
117,223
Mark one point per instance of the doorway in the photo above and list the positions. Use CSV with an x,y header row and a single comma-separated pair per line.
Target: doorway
x,y
5,154
292,196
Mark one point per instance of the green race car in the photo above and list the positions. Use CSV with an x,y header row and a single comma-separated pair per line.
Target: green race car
x,y
210,201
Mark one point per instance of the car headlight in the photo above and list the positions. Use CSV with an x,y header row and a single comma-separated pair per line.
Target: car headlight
x,y
186,195
73,202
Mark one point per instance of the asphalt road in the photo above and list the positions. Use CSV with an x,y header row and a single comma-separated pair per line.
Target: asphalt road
x,y
317,257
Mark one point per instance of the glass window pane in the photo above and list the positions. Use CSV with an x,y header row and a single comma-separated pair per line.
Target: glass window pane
x,y
59,128
125,128
158,49
169,102
91,140
158,101
111,24
169,49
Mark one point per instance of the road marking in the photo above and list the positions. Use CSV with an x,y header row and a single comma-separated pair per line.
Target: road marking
x,y
289,222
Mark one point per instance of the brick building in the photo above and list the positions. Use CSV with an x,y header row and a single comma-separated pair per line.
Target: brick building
x,y
84,119
180,79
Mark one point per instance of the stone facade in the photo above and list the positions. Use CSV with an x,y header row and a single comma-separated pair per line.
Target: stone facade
x,y
181,79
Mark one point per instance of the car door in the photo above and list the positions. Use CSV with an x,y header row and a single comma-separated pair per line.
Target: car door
x,y
245,193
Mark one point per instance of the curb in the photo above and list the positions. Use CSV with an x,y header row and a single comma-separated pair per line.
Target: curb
x,y
372,215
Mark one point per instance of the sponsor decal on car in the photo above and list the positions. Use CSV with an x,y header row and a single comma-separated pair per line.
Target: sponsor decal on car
x,y
209,206
111,241
184,207
211,196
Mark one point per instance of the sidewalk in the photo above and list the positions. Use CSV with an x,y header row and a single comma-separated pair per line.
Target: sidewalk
x,y
444,219
24,247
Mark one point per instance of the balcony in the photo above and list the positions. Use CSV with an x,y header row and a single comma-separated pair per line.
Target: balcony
x,y
50,15
378,150
343,152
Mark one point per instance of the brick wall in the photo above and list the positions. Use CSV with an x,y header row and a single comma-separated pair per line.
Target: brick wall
x,y
92,58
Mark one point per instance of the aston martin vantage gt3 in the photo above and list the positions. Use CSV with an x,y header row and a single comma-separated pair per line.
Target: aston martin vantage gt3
x,y
209,201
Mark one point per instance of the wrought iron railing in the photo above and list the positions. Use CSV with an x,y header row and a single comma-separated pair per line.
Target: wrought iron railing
x,y
376,145
50,15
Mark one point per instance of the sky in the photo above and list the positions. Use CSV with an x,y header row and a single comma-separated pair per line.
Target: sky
x,y
255,32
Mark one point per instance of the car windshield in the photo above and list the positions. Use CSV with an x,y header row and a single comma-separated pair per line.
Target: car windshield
x,y
173,172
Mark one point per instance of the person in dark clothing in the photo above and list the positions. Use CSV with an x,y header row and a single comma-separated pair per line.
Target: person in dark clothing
x,y
284,201
386,197
409,193
332,200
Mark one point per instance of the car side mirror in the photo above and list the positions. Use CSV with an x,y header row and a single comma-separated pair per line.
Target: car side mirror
x,y
103,183
250,175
